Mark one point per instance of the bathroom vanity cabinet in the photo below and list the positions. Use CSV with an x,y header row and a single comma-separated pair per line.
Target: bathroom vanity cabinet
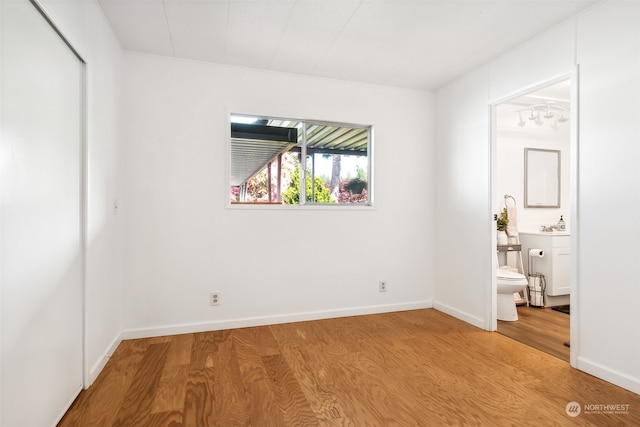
x,y
555,263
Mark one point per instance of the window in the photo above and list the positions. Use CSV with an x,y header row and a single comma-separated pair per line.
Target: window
x,y
267,166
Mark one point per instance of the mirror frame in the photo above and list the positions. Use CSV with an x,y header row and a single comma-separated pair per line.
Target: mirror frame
x,y
541,163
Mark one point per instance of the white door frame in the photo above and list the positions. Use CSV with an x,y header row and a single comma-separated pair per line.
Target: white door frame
x,y
491,299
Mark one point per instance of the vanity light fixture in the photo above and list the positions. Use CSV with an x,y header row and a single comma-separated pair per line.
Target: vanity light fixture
x,y
548,110
538,119
548,114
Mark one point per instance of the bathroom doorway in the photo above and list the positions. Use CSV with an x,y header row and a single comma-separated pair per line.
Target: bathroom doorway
x,y
534,144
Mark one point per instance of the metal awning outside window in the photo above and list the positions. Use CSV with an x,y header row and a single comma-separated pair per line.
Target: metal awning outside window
x,y
255,145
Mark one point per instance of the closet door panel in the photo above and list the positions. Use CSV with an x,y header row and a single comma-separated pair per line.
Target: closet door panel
x,y
41,219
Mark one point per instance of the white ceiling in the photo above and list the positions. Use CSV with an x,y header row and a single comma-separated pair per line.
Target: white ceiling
x,y
407,43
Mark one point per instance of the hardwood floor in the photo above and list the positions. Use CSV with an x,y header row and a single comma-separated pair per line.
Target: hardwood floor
x,y
413,368
541,328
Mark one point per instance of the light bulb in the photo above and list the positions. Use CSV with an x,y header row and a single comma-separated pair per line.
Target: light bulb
x,y
538,120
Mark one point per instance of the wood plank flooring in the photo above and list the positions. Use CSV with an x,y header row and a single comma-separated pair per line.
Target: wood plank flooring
x,y
541,328
414,368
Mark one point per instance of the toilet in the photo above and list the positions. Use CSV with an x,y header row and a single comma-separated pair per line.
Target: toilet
x,y
508,282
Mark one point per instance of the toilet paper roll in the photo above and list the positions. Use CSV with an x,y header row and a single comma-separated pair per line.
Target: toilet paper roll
x,y
537,253
534,284
537,300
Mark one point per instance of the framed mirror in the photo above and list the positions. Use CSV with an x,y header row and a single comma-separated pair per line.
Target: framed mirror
x,y
541,178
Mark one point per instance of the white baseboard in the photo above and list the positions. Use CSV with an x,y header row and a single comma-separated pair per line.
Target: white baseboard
x,y
474,320
97,367
610,375
270,320
66,407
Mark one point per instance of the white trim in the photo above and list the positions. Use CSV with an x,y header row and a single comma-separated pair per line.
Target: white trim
x,y
613,376
1,240
84,215
303,207
302,204
572,76
47,17
370,165
66,408
302,198
458,314
97,367
271,320
574,239
540,84
491,310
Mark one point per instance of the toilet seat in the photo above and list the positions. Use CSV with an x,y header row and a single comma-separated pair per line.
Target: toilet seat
x,y
507,275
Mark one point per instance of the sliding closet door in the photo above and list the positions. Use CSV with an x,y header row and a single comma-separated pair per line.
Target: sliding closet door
x,y
41,219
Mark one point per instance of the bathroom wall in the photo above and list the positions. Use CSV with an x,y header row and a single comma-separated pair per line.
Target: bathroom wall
x,y
604,42
511,140
273,264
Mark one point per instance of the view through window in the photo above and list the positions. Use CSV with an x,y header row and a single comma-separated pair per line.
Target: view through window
x,y
266,162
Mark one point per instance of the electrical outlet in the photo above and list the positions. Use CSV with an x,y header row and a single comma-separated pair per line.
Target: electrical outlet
x,y
214,298
382,286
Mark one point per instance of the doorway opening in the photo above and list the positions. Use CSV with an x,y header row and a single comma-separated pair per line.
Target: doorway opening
x,y
534,144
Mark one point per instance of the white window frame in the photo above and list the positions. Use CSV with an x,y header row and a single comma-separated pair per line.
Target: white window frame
x,y
303,164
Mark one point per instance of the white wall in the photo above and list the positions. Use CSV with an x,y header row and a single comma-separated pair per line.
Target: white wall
x,y
41,263
463,201
275,264
604,319
609,188
464,158
511,140
86,28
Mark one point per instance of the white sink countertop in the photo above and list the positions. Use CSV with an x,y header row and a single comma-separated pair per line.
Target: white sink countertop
x,y
545,233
